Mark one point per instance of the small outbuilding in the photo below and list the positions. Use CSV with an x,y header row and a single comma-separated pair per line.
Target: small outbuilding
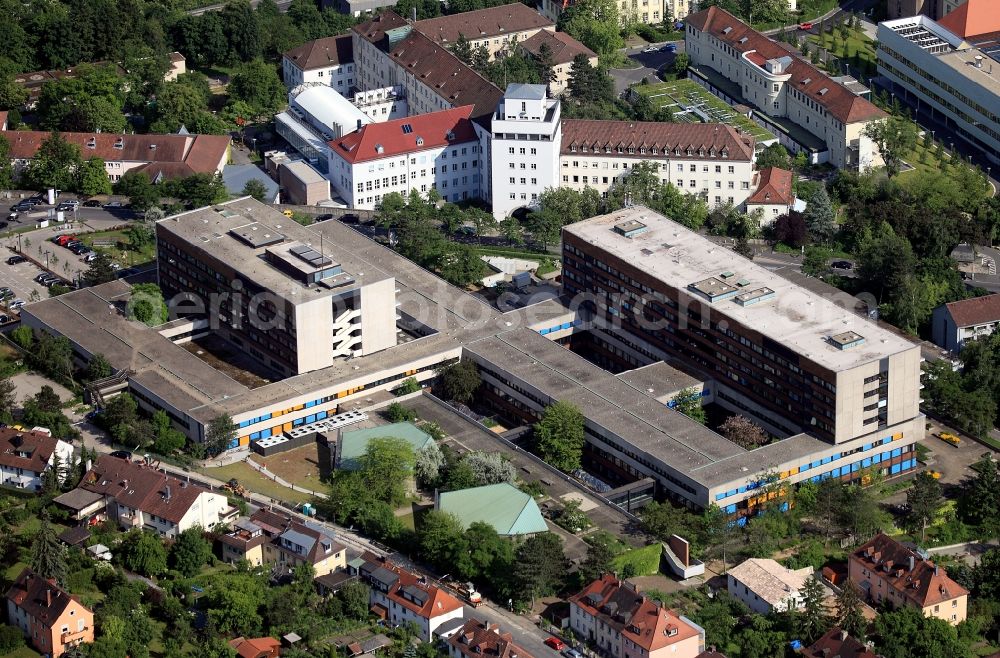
x,y
505,507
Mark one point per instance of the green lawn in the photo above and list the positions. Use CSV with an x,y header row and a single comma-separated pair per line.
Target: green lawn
x,y
256,482
112,240
23,652
645,561
680,95
857,43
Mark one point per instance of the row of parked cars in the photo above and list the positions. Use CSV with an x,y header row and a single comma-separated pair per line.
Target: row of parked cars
x,y
76,246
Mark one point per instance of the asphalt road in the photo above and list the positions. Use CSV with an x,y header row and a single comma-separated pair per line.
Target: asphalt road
x,y
650,65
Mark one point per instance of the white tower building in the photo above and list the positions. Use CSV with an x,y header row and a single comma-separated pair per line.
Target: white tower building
x,y
527,134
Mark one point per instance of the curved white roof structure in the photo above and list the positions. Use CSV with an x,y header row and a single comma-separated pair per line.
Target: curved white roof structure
x,y
325,110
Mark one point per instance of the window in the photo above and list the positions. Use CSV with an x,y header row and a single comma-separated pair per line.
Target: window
x,y
732,169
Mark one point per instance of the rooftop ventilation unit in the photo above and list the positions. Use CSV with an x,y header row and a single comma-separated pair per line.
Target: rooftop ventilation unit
x,y
846,340
630,228
310,256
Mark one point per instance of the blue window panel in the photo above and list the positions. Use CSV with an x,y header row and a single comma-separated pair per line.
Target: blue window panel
x,y
720,496
866,446
298,421
266,417
835,473
895,469
311,418
730,509
827,460
244,423
255,436
311,403
805,468
865,463
741,489
886,456
731,492
836,456
784,506
320,415
742,521
897,452
907,464
543,331
567,325
815,478
855,467
265,433
877,459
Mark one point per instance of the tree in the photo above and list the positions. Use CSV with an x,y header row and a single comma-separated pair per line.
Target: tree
x,y
545,63
462,266
442,540
819,217
385,467
791,229
816,261
813,621
54,165
142,194
490,467
979,503
354,596
257,84
143,552
743,432
256,189
512,231
48,554
595,23
92,178
190,551
924,499
428,463
243,30
895,137
688,402
98,367
460,380
168,440
559,436
220,434
774,155
906,633
146,303
100,270
600,560
849,610
234,603
540,566
6,168
8,399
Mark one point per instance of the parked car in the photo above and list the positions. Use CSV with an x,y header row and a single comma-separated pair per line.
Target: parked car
x,y
16,304
22,206
61,240
113,204
90,257
14,260
122,454
841,265
572,653
40,276
6,293
650,49
350,219
805,26
4,225
555,643
669,48
12,216
92,203
4,318
323,218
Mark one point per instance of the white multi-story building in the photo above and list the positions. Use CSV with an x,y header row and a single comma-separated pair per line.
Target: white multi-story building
x,y
809,111
399,597
439,151
712,161
951,68
317,114
766,586
382,104
496,28
327,61
26,456
527,132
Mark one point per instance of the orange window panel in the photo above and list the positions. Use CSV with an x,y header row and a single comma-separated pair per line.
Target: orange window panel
x,y
244,440
287,427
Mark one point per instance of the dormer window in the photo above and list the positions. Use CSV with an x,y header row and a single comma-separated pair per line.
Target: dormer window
x,y
572,148
420,141
631,149
583,149
642,151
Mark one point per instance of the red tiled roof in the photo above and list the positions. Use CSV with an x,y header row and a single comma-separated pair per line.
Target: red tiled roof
x,y
838,643
393,138
598,134
438,602
257,647
39,448
320,53
175,155
839,101
274,525
925,584
646,622
479,638
564,47
774,187
141,487
978,310
483,23
973,18
433,66
40,598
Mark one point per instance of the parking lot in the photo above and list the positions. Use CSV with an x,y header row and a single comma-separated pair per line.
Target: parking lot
x,y
19,278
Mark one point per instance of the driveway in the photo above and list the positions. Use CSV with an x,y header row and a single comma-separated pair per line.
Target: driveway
x,y
26,384
953,463
649,66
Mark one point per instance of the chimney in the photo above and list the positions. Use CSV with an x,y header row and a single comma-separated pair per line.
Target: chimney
x,y
166,494
359,120
912,562
935,569
414,14
979,59
48,597
843,635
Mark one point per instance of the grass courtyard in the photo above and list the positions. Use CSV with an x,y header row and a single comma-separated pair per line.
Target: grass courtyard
x,y
256,482
112,243
857,43
299,466
691,103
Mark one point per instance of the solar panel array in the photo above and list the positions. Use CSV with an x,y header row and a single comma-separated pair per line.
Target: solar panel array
x,y
311,256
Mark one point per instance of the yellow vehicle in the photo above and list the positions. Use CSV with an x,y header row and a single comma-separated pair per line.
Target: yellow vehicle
x,y
935,474
287,213
950,438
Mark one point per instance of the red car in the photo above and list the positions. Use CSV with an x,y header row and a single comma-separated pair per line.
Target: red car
x,y
805,26
555,643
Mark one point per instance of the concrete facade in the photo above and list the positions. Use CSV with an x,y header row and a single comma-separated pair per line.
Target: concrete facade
x,y
303,185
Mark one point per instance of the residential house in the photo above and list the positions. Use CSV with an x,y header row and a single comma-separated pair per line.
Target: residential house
x,y
837,642
805,107
161,157
52,620
398,597
178,67
773,195
328,61
497,29
623,623
482,639
766,586
435,151
136,495
26,455
257,647
891,574
564,50
287,543
955,323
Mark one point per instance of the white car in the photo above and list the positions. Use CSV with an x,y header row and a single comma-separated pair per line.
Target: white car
x,y
16,304
90,258
651,49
